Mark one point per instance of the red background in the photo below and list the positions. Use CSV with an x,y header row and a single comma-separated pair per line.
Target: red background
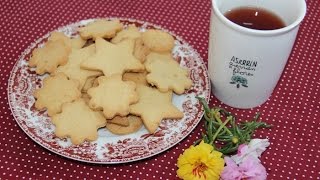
x,y
293,108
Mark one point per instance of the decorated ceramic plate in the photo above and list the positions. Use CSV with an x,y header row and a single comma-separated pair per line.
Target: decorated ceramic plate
x,y
108,148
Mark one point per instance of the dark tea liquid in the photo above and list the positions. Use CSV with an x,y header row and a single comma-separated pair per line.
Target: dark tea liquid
x,y
255,18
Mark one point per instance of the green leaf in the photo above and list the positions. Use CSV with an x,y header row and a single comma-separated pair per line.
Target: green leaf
x,y
222,130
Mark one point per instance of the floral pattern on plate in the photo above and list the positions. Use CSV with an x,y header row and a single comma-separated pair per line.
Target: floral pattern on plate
x,y
108,148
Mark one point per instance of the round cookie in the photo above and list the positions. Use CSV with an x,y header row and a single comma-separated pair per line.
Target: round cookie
x,y
119,120
157,40
135,124
138,78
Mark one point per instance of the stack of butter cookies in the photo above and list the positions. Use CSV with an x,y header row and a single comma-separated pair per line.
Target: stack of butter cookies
x,y
111,76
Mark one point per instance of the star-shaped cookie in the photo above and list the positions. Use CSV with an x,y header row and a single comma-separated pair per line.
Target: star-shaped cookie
x,y
55,91
78,122
100,29
113,96
49,57
113,58
153,106
72,68
166,73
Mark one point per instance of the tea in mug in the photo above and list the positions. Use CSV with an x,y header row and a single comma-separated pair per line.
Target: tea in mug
x,y
255,18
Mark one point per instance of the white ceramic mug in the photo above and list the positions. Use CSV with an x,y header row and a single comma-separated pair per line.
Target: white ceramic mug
x,y
246,64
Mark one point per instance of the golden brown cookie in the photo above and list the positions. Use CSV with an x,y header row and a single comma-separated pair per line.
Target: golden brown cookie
x,y
85,97
113,58
76,43
113,96
119,120
138,78
140,50
166,74
95,82
88,84
72,67
100,29
158,41
49,57
153,106
78,122
135,124
55,91
131,32
88,43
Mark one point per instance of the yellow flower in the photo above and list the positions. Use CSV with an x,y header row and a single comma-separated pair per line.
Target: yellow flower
x,y
200,162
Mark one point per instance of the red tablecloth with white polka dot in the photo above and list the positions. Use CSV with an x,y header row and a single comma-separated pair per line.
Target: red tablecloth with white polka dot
x,y
293,108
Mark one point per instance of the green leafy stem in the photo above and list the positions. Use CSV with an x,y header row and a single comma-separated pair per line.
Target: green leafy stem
x,y
222,131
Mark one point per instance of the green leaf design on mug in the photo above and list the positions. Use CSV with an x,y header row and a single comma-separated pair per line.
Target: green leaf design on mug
x,y
239,80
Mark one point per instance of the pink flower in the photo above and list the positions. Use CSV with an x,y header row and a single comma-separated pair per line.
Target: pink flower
x,y
249,169
254,149
231,171
241,149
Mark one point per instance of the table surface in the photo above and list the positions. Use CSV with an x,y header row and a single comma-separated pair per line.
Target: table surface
x,y
293,108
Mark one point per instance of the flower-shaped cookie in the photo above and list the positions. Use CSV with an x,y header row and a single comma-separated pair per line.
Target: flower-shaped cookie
x,y
49,57
113,96
100,29
55,91
166,73
78,122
